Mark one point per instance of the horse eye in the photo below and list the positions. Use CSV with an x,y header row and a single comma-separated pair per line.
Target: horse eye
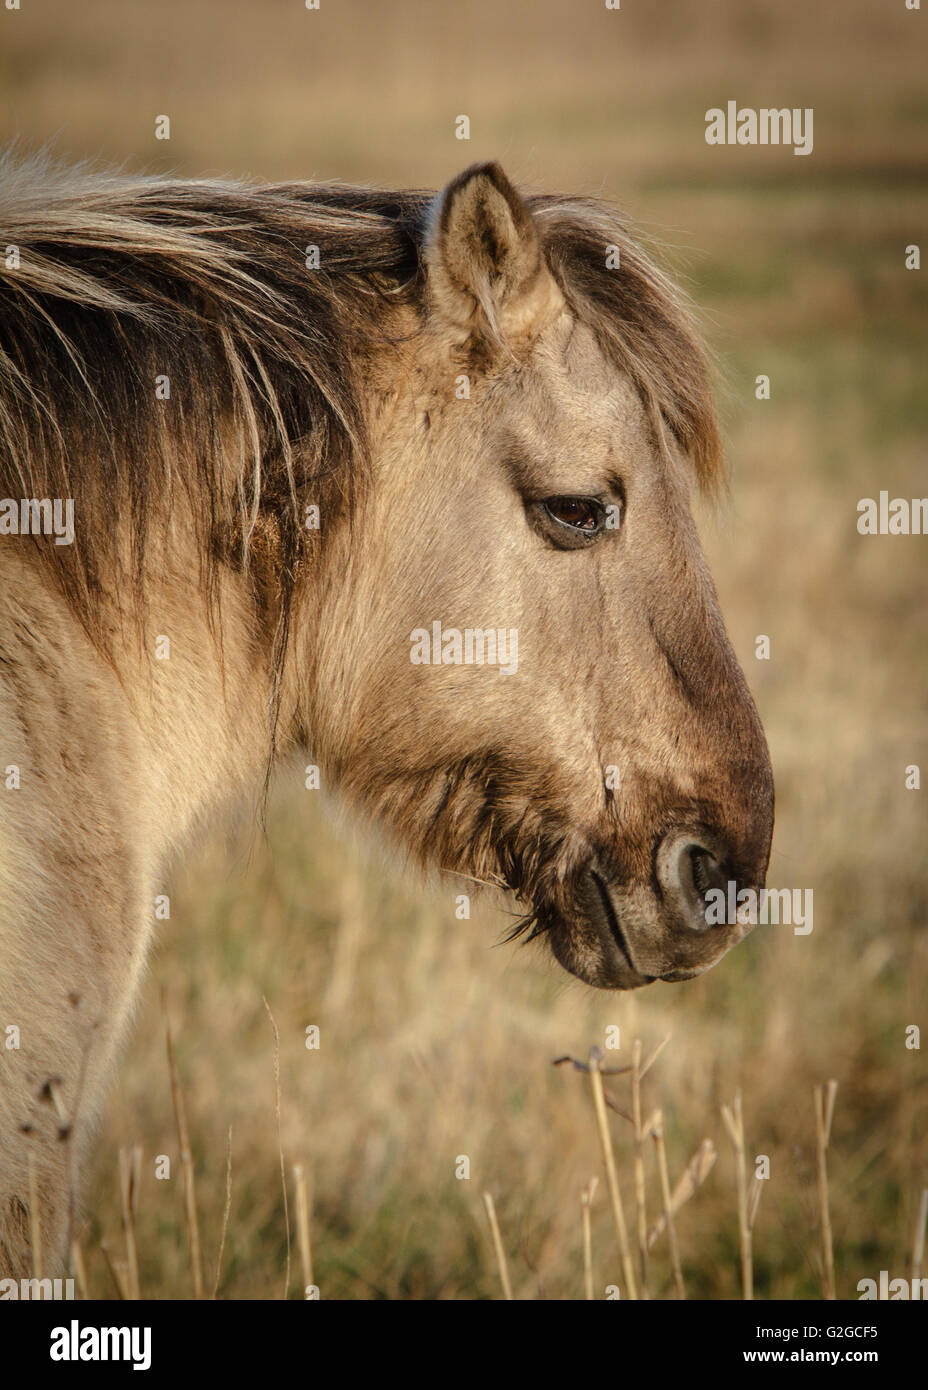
x,y
583,514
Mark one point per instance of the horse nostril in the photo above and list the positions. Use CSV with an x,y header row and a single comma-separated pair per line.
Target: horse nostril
x,y
706,872
688,872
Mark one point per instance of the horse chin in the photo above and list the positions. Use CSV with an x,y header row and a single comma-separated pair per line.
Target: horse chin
x,y
592,945
592,961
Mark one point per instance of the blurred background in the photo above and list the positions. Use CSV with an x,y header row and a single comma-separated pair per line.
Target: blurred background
x,y
435,1041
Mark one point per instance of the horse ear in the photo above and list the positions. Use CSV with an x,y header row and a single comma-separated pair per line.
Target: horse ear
x,y
487,274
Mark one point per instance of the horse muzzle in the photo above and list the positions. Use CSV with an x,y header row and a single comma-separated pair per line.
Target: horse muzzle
x,y
627,935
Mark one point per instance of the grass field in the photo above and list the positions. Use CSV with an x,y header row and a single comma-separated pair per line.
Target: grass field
x,y
434,1042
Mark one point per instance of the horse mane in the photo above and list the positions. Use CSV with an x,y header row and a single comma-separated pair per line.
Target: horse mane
x,y
122,279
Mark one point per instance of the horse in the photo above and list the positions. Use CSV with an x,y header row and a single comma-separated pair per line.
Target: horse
x,y
283,468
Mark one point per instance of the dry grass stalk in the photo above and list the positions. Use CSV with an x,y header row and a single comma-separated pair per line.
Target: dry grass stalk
x,y
186,1163
647,1065
824,1102
78,1270
615,1197
35,1223
656,1129
130,1171
694,1175
918,1242
117,1271
586,1202
280,1145
225,1214
498,1245
734,1123
640,1193
302,1225
656,1117
757,1187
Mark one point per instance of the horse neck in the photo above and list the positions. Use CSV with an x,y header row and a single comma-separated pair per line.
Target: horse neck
x,y
197,689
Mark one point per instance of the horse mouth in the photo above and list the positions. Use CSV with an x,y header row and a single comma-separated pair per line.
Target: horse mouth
x,y
625,937
611,918
596,945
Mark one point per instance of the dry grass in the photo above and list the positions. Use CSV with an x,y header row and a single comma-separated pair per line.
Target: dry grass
x,y
662,1272
824,1101
433,1045
187,1171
